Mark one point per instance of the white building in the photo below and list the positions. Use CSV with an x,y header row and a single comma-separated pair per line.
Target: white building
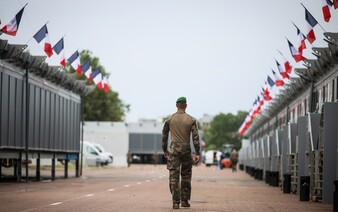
x,y
143,137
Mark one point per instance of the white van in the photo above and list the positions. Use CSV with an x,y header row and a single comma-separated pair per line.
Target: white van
x,y
210,157
92,156
103,151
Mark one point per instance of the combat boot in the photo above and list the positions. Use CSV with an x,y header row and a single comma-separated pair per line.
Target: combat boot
x,y
185,204
176,206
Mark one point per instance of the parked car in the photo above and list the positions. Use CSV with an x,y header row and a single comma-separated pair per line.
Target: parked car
x,y
92,155
103,151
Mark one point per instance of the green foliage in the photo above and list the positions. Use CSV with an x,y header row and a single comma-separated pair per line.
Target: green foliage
x,y
99,105
102,106
223,130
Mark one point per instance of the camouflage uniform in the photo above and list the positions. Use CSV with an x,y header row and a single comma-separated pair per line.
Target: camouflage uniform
x,y
180,125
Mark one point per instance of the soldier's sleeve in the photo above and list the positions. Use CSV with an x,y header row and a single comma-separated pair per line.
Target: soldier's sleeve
x,y
195,137
165,135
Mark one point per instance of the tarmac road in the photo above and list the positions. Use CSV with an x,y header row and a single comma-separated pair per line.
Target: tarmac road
x,y
146,188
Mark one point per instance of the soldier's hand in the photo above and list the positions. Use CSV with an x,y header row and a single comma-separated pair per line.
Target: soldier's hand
x,y
166,154
197,159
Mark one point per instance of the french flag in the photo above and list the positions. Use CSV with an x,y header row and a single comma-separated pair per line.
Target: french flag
x,y
257,106
311,23
97,78
43,39
267,96
245,125
13,26
278,81
105,84
261,99
87,70
301,40
252,114
74,61
268,86
281,70
327,4
59,49
287,65
295,54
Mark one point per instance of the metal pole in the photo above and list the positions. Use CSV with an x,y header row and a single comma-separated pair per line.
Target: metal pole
x,y
82,124
27,121
310,103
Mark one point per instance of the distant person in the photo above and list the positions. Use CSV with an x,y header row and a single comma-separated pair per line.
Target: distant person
x,y
129,158
203,156
219,159
234,159
180,125
155,158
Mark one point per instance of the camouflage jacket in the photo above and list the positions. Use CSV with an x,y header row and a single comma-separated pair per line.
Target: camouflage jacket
x,y
180,125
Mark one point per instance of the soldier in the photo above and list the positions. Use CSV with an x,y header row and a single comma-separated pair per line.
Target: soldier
x,y
234,159
179,161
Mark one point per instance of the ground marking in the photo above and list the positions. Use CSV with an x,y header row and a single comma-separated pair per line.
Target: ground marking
x,y
56,203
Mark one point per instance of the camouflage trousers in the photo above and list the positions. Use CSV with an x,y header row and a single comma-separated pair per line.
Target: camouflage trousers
x,y
180,165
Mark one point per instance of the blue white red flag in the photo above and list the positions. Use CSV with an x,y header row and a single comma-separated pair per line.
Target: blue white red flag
x,y
42,38
278,80
268,86
270,82
87,70
327,4
261,99
282,71
287,65
257,106
97,78
246,123
311,23
59,49
301,41
74,61
13,26
295,54
266,93
105,84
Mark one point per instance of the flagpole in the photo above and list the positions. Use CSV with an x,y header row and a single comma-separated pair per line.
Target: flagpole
x,y
313,17
33,35
321,27
294,24
28,41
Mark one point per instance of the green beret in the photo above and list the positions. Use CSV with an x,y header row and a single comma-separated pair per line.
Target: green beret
x,y
181,100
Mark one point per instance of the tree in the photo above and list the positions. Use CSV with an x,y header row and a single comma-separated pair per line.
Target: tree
x,y
223,130
99,105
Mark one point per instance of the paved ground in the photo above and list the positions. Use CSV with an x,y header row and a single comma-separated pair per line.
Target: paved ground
x,y
145,188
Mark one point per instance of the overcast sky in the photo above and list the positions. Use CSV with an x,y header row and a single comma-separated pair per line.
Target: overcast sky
x,y
217,53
